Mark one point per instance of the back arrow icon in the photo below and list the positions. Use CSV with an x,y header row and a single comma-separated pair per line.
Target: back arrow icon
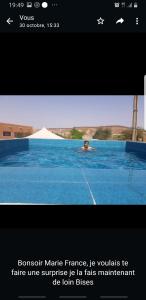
x,y
9,21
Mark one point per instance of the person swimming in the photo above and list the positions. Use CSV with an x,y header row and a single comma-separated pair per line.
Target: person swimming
x,y
86,146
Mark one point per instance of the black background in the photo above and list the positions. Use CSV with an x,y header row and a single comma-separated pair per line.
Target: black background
x,y
72,244
72,63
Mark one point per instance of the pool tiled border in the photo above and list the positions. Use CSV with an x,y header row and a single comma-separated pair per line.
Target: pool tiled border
x,y
16,145
13,146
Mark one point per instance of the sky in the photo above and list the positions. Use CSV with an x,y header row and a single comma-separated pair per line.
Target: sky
x,y
69,111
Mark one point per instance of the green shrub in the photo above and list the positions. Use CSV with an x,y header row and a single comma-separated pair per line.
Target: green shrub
x,y
118,137
127,134
103,134
22,134
140,134
76,134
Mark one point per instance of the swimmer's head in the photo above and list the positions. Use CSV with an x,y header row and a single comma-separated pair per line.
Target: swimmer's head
x,y
86,144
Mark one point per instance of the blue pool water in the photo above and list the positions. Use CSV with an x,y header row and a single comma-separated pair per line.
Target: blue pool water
x,y
58,172
68,154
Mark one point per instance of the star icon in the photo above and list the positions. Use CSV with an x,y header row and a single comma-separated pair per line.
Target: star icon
x,y
100,21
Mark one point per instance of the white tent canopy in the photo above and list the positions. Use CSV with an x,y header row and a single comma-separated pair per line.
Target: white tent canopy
x,y
44,133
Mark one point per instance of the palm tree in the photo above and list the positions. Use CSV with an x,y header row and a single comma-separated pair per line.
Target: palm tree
x,y
134,118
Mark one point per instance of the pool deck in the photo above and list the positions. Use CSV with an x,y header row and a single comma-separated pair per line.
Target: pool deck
x,y
71,186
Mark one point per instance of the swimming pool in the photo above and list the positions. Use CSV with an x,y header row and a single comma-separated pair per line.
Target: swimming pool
x,y
58,172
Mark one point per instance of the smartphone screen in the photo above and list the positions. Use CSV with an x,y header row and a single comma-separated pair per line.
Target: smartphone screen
x,y
72,149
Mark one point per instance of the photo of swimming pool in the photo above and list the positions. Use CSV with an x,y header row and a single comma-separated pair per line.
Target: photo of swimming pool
x,y
39,171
